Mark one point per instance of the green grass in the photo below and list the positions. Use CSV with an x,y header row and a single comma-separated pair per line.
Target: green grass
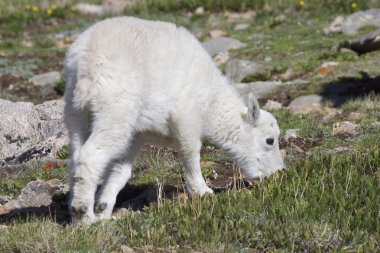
x,y
324,203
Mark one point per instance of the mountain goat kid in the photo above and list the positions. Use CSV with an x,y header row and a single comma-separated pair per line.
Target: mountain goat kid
x,y
133,81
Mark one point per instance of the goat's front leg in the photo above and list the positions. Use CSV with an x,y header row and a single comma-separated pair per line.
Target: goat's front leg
x,y
194,181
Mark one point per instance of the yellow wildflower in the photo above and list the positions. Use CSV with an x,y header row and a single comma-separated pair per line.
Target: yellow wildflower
x,y
35,8
354,5
54,7
28,7
73,8
49,12
302,3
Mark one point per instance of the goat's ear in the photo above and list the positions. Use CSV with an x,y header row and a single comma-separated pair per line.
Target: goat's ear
x,y
253,109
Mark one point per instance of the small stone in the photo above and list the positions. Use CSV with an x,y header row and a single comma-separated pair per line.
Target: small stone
x,y
221,58
4,199
200,10
272,105
329,114
327,67
259,36
268,59
28,43
126,249
291,133
345,127
375,125
281,18
222,45
217,33
354,116
306,104
241,27
237,69
45,79
259,89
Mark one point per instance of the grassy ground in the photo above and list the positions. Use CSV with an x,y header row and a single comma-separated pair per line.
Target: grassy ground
x,y
325,201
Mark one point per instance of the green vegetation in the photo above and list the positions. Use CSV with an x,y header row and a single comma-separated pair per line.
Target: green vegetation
x,y
325,201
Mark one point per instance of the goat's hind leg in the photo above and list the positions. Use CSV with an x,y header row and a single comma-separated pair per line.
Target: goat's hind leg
x,y
117,177
105,144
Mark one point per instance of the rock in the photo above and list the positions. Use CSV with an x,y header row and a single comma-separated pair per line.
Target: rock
x,y
296,82
351,24
200,10
259,36
259,89
327,67
241,27
90,9
222,45
221,58
272,105
36,194
217,33
353,116
329,114
280,18
364,44
375,125
126,249
345,128
28,132
237,69
306,104
116,6
4,199
250,14
45,79
291,133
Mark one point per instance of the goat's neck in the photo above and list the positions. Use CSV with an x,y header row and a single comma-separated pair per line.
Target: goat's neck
x,y
224,123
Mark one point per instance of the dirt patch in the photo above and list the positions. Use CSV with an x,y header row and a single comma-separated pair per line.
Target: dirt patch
x,y
300,145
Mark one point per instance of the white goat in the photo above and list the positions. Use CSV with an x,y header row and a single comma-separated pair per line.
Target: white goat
x,y
132,81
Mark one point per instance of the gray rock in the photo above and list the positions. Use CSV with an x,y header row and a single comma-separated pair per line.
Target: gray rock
x,y
345,127
259,89
28,132
291,133
364,44
375,125
222,45
259,36
237,69
272,105
37,193
241,27
4,199
46,79
306,104
351,24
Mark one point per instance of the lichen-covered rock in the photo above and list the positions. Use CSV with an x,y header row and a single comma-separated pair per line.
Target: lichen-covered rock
x,y
28,132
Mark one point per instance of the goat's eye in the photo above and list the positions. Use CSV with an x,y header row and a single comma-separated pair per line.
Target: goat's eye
x,y
270,141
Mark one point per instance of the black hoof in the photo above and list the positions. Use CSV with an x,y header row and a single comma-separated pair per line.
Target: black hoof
x,y
100,207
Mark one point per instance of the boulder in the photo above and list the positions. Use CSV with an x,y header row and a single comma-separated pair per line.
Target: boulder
x,y
272,105
351,24
364,44
28,132
345,128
